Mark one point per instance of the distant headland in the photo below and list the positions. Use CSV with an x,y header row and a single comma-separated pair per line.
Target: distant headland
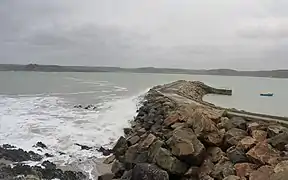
x,y
222,72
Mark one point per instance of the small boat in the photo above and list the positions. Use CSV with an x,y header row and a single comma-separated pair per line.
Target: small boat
x,y
267,94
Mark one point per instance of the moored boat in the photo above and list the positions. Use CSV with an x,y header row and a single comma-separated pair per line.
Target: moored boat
x,y
267,94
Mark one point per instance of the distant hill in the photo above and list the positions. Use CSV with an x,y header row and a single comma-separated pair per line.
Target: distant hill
x,y
223,72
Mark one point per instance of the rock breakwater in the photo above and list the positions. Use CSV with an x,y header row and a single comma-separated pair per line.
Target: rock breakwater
x,y
177,136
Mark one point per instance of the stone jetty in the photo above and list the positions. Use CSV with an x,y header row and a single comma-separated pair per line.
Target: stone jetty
x,y
177,136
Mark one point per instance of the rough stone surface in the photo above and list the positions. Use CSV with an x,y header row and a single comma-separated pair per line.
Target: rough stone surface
x,y
262,173
133,140
185,145
243,170
279,141
109,159
120,147
259,135
148,172
236,155
232,177
282,166
263,153
147,142
279,176
247,143
223,169
215,153
153,150
274,130
238,122
165,160
233,136
206,168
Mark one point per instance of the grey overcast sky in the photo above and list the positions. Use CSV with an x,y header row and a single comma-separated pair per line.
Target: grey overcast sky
x,y
239,34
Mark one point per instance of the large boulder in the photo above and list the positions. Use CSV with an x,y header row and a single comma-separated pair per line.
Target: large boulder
x,y
148,172
262,173
133,140
276,129
279,141
223,169
185,145
233,136
200,123
263,153
259,135
247,142
120,148
147,142
243,170
153,150
234,122
215,154
238,122
236,155
167,161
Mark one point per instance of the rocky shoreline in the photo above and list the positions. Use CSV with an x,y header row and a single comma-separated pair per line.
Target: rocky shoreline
x,y
177,136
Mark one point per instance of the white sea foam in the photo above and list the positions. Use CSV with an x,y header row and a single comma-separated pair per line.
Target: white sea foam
x,y
26,120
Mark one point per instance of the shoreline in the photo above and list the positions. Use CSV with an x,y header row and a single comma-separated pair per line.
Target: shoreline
x,y
157,137
177,135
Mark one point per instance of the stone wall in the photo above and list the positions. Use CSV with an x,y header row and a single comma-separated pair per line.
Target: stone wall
x,y
169,139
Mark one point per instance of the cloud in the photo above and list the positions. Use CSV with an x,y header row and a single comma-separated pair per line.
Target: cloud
x,y
267,28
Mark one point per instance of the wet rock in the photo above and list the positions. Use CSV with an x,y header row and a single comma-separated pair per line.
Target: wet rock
x,y
104,151
274,130
109,159
165,160
282,166
236,155
263,153
246,143
127,131
279,141
8,146
133,140
223,169
147,142
259,135
48,165
107,176
118,169
148,172
185,145
41,145
19,155
233,136
243,170
215,153
83,147
48,155
120,147
262,173
232,177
